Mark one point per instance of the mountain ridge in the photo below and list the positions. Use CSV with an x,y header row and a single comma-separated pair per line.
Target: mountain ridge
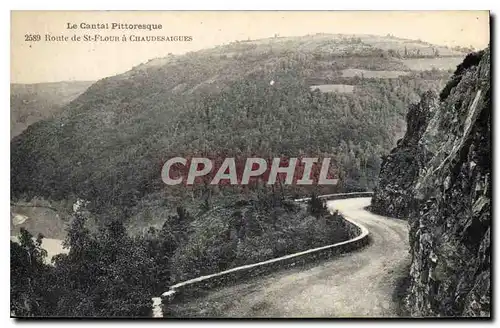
x,y
108,144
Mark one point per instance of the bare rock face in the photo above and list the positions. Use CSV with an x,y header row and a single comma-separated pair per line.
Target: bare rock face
x,y
400,168
439,178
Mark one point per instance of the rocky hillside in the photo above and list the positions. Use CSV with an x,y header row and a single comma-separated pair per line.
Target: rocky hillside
x,y
439,178
400,168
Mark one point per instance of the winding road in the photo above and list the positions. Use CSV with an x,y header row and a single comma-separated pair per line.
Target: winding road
x,y
356,284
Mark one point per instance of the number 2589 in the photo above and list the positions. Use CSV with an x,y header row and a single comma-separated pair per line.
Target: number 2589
x,y
32,37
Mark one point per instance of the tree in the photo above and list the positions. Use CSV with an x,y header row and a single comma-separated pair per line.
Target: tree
x,y
104,274
316,206
28,276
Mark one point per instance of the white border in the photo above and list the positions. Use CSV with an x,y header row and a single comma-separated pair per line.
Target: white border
x,y
251,5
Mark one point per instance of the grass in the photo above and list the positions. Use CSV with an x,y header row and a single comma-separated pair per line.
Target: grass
x,y
341,88
424,64
352,72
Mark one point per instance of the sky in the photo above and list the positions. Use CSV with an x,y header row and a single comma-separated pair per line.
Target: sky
x,y
43,61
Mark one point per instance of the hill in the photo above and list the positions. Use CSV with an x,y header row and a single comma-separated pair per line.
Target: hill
x,y
30,103
252,98
336,96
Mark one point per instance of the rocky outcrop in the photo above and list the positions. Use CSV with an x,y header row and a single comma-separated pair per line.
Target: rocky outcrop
x,y
439,178
399,169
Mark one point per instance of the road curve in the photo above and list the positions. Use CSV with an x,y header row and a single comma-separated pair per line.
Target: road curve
x,y
356,284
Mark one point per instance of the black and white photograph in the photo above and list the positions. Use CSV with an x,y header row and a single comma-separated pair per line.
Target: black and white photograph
x,y
250,164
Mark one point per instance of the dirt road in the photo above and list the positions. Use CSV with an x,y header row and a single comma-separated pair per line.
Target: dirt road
x,y
356,284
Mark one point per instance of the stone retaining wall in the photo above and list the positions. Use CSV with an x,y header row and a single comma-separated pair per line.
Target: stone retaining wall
x,y
359,237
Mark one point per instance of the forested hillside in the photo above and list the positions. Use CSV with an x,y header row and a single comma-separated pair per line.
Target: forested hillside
x,y
30,103
254,98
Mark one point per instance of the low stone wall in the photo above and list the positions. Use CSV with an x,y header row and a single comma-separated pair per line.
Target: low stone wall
x,y
340,196
358,238
347,195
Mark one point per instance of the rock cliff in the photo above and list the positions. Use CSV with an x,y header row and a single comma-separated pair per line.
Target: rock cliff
x,y
439,179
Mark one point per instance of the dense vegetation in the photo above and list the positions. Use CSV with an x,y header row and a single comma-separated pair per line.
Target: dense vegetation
x,y
110,273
